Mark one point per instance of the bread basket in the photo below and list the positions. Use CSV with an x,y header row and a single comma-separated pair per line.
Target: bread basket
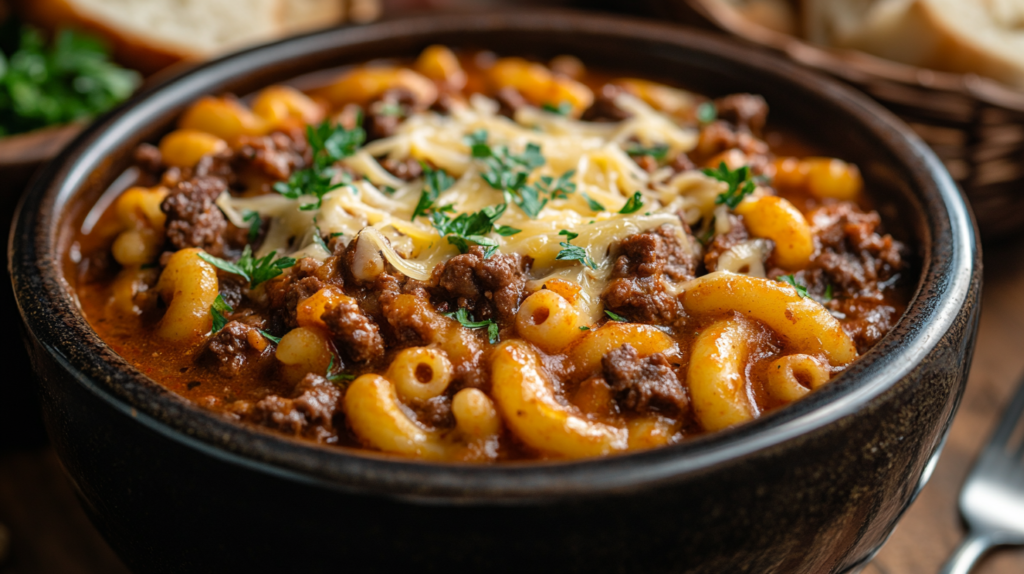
x,y
975,125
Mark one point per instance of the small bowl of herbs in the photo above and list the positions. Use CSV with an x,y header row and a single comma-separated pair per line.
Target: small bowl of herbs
x,y
50,87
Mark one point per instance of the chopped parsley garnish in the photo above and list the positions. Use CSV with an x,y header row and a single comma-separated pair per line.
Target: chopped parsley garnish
x,y
219,311
254,270
387,189
557,188
828,294
656,151
572,252
616,316
435,181
329,144
791,280
468,228
271,338
319,239
739,182
507,172
255,222
584,328
633,205
593,204
462,316
707,112
562,109
389,109
506,230
336,377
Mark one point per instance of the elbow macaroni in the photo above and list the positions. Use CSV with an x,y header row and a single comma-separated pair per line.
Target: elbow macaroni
x,y
188,285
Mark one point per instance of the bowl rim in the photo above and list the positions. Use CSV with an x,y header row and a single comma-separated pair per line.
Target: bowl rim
x,y
949,266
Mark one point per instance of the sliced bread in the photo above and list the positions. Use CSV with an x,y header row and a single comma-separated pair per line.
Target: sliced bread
x,y
984,37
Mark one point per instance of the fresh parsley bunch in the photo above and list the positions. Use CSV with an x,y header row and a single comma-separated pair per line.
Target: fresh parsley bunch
x,y
71,79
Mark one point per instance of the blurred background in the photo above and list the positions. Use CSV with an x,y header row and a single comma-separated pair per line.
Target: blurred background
x,y
952,69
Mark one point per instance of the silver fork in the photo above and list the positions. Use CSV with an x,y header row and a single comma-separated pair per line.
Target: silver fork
x,y
992,499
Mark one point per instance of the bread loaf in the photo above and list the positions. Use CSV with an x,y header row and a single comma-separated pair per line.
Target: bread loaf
x,y
984,37
151,34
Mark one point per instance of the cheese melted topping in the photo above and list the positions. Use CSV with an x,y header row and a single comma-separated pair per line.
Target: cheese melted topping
x,y
378,207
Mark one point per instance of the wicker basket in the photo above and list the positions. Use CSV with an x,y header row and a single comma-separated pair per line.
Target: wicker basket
x,y
975,125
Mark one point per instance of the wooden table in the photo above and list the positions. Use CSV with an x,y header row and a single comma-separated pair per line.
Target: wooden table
x,y
50,533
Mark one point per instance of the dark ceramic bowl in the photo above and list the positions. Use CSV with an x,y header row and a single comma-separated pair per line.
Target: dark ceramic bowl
x,y
815,487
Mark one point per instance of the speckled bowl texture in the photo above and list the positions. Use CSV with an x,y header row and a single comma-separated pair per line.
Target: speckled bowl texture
x,y
815,487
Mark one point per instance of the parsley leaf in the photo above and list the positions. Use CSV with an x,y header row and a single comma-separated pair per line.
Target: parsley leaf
x,y
319,239
584,328
707,112
507,172
562,109
739,182
557,188
254,270
633,205
572,252
657,151
593,204
468,228
271,338
477,142
791,280
219,311
336,377
329,144
462,316
255,223
616,316
435,182
828,294
506,231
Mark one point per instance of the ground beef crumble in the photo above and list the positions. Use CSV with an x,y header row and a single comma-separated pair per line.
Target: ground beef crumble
x,y
193,219
638,288
642,385
491,287
354,333
310,413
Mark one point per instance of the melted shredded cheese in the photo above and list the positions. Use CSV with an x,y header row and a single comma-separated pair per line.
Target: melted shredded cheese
x,y
378,206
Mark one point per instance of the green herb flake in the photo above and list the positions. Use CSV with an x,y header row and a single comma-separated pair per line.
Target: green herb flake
x,y
633,205
329,144
254,270
738,180
462,316
791,280
318,238
336,377
467,228
271,338
562,109
707,112
572,252
828,294
435,182
656,151
593,205
255,223
615,316
584,328
219,311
